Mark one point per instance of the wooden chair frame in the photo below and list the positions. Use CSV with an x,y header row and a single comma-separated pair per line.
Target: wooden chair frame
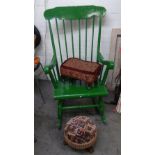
x,y
67,88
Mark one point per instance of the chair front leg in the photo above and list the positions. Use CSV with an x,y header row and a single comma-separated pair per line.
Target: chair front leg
x,y
101,109
95,101
59,113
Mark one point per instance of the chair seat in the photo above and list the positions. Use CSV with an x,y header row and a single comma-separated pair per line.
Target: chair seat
x,y
70,90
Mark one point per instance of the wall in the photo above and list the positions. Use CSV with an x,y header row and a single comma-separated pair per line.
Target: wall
x,y
111,20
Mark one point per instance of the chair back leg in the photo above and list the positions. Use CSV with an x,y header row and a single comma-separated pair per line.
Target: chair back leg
x,y
101,109
59,113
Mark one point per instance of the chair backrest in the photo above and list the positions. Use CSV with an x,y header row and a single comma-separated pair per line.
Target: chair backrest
x,y
77,32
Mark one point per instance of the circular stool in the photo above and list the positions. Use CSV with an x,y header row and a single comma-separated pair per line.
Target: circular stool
x,y
80,133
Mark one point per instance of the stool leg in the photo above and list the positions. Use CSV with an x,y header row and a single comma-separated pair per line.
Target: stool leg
x,y
59,113
90,150
101,109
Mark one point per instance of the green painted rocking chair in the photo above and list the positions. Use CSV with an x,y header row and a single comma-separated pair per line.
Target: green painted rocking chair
x,y
65,88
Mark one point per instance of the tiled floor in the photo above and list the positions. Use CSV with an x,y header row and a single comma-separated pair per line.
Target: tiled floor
x,y
50,138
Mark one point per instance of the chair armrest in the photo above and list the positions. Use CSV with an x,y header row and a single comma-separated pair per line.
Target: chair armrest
x,y
47,68
110,64
100,58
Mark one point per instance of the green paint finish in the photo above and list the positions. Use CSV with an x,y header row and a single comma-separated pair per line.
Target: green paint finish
x,y
101,109
92,38
52,38
77,91
79,107
48,71
65,88
100,58
109,65
65,38
58,39
54,74
59,113
74,12
72,37
104,76
99,35
86,41
79,39
53,45
79,42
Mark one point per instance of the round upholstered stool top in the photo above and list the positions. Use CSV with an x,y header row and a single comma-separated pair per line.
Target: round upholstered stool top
x,y
80,132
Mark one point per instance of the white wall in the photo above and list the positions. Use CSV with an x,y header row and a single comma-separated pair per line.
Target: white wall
x,y
111,20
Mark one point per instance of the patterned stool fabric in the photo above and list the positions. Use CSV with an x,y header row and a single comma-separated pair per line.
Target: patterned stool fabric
x,y
80,132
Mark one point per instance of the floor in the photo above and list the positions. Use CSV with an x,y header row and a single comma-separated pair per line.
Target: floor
x,y
50,138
